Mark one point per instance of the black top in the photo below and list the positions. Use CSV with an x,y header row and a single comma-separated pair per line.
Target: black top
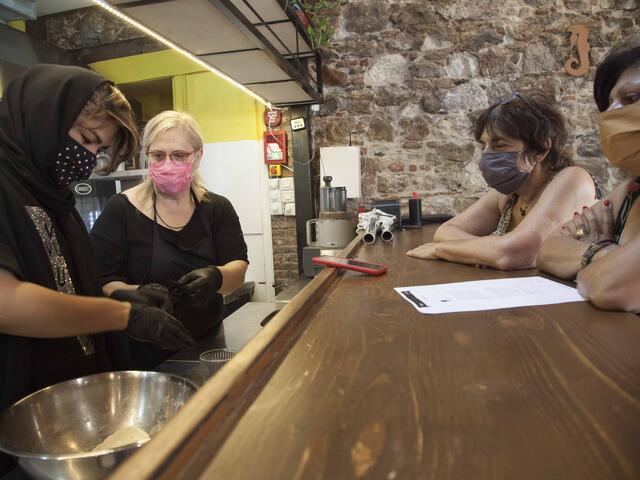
x,y
623,213
128,250
42,238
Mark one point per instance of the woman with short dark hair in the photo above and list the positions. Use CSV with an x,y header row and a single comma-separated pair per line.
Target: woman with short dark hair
x,y
600,247
534,188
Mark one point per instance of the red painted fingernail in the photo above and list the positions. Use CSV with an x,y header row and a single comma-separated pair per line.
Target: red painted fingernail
x,y
575,213
584,207
563,227
634,187
606,203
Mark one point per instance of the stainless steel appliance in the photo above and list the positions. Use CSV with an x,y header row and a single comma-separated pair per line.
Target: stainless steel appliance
x,y
334,228
92,194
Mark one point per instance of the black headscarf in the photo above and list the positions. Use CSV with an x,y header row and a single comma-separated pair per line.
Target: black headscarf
x,y
37,112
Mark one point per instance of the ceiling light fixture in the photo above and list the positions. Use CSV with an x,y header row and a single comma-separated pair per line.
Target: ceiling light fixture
x,y
122,16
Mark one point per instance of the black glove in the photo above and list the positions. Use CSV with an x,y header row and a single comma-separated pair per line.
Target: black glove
x,y
150,324
152,294
160,293
200,286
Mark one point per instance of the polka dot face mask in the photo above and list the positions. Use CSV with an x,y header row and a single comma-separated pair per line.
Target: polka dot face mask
x,y
73,162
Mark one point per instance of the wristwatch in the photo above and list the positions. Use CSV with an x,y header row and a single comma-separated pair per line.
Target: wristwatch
x,y
592,249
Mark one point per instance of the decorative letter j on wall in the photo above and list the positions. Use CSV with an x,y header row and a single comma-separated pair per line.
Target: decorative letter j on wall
x,y
580,39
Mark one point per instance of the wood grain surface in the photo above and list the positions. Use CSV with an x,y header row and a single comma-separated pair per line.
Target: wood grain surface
x,y
185,446
374,389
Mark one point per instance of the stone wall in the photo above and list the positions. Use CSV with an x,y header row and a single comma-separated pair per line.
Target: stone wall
x,y
93,34
407,79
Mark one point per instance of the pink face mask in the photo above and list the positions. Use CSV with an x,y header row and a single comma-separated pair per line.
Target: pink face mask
x,y
171,177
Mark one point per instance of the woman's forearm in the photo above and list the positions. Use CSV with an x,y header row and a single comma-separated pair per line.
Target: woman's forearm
x,y
561,256
611,282
498,252
29,310
446,233
232,276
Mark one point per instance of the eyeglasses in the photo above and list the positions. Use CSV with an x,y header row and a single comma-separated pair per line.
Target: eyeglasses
x,y
513,96
177,156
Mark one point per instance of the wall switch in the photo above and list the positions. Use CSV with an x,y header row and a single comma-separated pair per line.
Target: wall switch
x,y
290,209
275,208
286,183
275,196
288,196
274,184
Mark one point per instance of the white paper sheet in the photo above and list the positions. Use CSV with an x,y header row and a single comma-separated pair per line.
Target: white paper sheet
x,y
488,295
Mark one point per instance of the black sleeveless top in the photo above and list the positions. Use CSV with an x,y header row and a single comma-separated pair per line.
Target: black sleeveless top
x,y
623,214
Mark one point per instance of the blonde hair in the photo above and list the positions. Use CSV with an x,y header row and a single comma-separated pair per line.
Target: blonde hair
x,y
161,123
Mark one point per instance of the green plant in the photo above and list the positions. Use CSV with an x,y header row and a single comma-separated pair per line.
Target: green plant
x,y
319,29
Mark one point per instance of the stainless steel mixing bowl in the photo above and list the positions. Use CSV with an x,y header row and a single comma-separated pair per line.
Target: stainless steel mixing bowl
x,y
52,431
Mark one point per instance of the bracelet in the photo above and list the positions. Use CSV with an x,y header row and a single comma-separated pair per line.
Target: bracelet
x,y
592,249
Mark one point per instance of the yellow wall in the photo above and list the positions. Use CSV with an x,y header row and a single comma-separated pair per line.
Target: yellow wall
x,y
224,113
18,25
154,104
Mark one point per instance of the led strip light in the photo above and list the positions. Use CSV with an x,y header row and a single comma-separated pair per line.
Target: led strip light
x,y
111,9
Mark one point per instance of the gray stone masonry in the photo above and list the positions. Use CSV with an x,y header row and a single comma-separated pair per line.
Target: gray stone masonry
x,y
408,77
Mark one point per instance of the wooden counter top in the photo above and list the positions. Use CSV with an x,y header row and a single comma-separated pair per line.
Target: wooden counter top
x,y
370,388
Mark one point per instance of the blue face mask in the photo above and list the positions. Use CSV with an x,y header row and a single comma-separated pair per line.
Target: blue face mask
x,y
500,171
74,162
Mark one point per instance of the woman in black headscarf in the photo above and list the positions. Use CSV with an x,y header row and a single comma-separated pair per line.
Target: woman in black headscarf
x,y
53,121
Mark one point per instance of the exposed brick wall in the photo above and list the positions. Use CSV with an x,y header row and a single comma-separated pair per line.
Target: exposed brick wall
x,y
408,77
285,251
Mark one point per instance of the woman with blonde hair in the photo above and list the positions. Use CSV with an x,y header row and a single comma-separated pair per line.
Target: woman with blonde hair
x,y
170,235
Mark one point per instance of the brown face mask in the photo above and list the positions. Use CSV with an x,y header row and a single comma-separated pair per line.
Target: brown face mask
x,y
620,137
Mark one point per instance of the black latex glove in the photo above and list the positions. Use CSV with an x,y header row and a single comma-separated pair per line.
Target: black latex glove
x,y
158,291
200,286
150,324
152,294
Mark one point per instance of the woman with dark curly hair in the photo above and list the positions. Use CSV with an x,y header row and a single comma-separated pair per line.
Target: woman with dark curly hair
x,y
534,188
600,246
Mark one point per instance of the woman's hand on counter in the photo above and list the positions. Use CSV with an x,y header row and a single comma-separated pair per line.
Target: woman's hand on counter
x,y
426,251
